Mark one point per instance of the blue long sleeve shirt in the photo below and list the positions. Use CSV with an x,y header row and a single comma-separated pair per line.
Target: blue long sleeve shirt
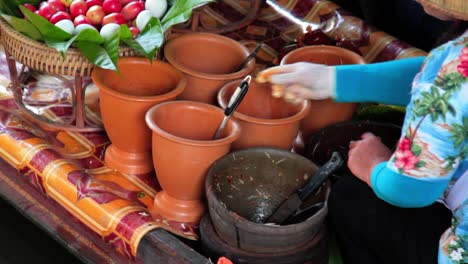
x,y
430,161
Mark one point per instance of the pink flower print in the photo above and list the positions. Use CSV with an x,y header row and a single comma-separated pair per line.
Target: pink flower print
x,y
463,66
405,144
406,160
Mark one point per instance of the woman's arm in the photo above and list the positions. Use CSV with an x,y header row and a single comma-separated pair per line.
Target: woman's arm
x,y
404,191
385,82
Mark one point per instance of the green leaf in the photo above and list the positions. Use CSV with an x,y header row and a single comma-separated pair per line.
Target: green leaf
x,y
150,39
32,2
416,149
48,30
86,35
9,8
181,11
125,32
89,35
97,55
23,26
134,45
420,164
111,45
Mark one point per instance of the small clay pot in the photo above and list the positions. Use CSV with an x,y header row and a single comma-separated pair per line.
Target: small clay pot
x,y
324,112
266,121
209,61
183,150
124,99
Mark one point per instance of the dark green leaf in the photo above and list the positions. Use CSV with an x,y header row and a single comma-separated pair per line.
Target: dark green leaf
x,y
32,2
48,30
86,35
9,8
23,26
150,39
416,149
181,11
420,164
97,55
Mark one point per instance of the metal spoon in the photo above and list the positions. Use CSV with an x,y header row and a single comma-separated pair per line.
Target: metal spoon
x,y
234,102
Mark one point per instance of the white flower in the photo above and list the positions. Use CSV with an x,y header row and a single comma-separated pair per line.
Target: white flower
x,y
456,256
461,250
453,242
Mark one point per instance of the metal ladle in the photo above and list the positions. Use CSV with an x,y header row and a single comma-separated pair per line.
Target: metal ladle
x,y
234,102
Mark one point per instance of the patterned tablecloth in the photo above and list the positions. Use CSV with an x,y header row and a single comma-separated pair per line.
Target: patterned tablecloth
x,y
68,167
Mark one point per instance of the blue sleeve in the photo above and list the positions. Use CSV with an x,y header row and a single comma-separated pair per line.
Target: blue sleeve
x,y
403,191
385,82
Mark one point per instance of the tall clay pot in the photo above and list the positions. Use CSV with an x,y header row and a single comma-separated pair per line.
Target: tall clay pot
x,y
266,121
324,112
208,61
183,150
124,99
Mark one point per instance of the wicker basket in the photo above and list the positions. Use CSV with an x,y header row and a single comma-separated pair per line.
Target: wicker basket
x,y
38,56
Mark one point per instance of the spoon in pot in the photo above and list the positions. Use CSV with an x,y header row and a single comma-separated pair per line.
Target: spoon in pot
x,y
234,102
249,57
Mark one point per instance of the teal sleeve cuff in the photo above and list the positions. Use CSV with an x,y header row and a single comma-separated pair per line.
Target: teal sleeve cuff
x,y
386,82
405,191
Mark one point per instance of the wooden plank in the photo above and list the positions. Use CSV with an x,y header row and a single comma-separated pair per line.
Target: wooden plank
x,y
159,246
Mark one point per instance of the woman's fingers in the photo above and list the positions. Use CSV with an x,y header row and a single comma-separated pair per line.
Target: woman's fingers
x,y
268,74
277,90
367,135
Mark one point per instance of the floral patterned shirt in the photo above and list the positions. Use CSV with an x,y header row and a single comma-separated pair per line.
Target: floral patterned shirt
x,y
431,159
434,142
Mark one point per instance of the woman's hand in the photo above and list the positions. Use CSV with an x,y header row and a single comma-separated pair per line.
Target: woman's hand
x,y
299,81
365,154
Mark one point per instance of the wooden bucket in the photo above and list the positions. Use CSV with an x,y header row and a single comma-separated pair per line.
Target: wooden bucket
x,y
244,187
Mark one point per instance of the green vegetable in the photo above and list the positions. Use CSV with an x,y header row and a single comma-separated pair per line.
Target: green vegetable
x,y
381,113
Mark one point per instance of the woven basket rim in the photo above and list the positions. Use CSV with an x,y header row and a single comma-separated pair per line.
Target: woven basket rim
x,y
71,55
18,36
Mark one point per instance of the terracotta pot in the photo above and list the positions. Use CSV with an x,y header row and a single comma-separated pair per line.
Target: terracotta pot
x,y
266,121
208,61
324,112
124,99
183,150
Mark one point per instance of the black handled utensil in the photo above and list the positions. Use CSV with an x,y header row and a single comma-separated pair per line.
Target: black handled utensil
x,y
234,102
294,201
249,57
